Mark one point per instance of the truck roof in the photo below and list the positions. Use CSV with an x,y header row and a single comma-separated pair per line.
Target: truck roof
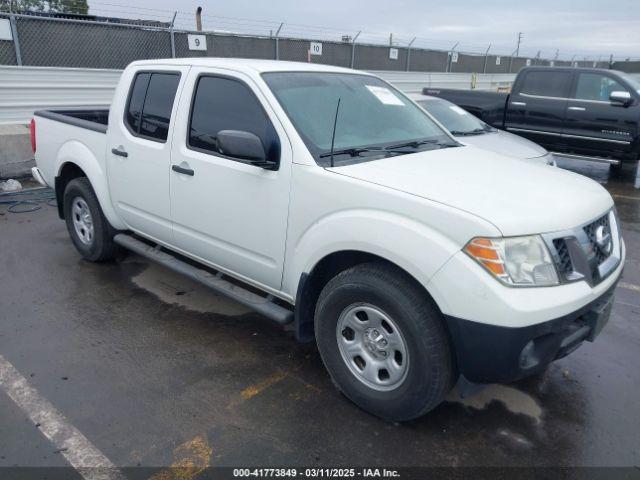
x,y
244,64
569,69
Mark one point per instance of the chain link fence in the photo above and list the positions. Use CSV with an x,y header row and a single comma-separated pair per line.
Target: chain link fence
x,y
59,42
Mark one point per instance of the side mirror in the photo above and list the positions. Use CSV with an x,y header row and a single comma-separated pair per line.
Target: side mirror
x,y
620,98
245,146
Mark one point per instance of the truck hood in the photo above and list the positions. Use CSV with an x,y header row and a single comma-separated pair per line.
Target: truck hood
x,y
519,198
505,143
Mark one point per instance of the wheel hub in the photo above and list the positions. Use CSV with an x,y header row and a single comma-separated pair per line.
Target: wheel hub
x,y
372,346
82,220
375,342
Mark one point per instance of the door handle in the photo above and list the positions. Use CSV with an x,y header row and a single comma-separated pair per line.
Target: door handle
x,y
120,153
578,109
518,104
182,170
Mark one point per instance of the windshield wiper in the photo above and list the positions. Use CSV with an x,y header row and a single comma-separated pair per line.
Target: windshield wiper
x,y
412,144
354,152
475,131
417,144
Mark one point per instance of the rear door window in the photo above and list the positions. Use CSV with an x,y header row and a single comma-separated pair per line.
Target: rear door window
x,y
136,100
547,84
150,104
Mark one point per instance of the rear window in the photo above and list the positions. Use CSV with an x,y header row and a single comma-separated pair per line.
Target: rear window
x,y
150,104
547,84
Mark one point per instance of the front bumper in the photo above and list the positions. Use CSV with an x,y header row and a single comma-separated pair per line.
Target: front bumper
x,y
488,353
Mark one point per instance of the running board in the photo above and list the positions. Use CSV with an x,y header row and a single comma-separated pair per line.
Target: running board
x,y
262,305
587,158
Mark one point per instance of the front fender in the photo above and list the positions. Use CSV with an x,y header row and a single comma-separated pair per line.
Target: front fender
x,y
411,245
79,154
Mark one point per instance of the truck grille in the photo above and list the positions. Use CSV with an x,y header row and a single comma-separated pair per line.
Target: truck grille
x,y
590,230
589,252
564,260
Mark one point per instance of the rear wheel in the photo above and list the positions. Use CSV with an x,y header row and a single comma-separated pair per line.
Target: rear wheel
x,y
89,229
383,342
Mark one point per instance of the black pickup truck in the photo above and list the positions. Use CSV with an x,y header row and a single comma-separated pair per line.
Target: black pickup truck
x,y
592,114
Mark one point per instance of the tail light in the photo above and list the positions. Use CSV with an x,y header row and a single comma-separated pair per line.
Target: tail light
x,y
32,131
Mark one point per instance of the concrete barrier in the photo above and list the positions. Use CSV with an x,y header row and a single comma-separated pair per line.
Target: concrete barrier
x,y
16,157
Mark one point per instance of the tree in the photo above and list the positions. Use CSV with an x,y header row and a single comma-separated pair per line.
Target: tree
x,y
53,6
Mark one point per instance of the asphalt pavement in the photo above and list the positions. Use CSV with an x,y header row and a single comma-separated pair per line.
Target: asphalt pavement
x,y
153,370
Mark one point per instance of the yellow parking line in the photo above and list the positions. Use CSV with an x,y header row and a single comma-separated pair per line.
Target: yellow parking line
x,y
629,286
254,390
190,460
628,197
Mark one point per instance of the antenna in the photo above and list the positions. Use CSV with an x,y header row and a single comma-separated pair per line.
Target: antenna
x,y
333,135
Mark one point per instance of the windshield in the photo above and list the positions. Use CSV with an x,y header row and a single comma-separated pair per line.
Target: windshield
x,y
455,119
374,120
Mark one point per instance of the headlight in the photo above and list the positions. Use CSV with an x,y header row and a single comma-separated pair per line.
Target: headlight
x,y
515,261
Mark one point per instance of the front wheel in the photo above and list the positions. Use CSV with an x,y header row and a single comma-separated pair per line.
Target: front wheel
x,y
383,342
90,231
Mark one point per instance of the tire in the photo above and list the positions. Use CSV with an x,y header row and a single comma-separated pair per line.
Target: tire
x,y
90,231
624,169
409,321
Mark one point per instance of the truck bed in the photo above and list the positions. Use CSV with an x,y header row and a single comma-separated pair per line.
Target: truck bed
x,y
487,106
71,132
95,119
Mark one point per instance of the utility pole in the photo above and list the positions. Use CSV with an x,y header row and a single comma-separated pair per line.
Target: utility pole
x,y
519,41
391,39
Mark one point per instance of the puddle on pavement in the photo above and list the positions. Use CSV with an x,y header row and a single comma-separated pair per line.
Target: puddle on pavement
x,y
174,288
514,400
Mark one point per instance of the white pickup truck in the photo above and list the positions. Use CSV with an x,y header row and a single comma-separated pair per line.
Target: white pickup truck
x,y
325,198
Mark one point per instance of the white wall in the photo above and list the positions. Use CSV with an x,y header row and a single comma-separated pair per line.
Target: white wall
x,y
24,90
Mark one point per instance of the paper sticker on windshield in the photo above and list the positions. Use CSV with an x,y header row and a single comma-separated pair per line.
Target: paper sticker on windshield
x,y
458,110
385,95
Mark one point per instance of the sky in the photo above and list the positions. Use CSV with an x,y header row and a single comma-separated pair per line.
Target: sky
x,y
580,28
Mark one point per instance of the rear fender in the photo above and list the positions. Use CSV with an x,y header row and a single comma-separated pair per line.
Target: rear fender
x,y
79,154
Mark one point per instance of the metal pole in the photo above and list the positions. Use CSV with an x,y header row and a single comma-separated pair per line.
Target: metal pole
x,y
199,19
450,58
16,40
409,53
277,44
486,57
173,38
353,49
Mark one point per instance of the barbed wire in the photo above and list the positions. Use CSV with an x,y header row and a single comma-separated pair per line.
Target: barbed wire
x,y
185,20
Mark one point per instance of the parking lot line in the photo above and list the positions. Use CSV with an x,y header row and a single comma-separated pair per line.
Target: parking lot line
x,y
628,197
629,286
81,454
